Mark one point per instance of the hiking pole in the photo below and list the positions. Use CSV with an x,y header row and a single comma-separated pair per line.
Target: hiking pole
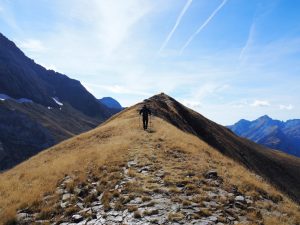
x,y
139,121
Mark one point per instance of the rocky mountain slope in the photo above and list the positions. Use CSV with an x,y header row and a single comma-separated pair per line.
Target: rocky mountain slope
x,y
21,77
284,136
28,128
120,174
39,107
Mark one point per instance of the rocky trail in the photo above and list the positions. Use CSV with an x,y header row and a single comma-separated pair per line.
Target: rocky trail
x,y
155,185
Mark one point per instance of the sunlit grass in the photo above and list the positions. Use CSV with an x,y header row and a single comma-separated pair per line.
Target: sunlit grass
x,y
97,150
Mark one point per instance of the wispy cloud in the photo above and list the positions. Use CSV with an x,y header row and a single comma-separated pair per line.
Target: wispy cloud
x,y
117,89
178,20
209,89
32,45
240,104
257,58
49,67
249,41
196,98
196,105
260,103
110,46
246,103
111,22
203,25
262,10
8,16
286,107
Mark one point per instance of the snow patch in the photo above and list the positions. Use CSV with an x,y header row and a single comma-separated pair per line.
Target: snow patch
x,y
57,101
4,97
24,100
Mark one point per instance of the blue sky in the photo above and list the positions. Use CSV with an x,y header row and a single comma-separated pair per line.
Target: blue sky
x,y
226,59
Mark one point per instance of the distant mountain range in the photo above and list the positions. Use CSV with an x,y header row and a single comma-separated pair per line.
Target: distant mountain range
x,y
39,107
284,136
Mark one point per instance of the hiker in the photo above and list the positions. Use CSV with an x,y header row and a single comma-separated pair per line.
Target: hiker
x,y
145,112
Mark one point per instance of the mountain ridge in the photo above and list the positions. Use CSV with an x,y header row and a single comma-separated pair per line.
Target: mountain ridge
x,y
118,173
251,155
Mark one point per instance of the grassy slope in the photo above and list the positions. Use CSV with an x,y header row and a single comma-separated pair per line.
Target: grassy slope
x,y
279,168
112,141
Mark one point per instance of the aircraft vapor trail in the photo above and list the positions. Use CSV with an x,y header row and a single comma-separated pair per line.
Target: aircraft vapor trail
x,y
185,8
248,42
203,25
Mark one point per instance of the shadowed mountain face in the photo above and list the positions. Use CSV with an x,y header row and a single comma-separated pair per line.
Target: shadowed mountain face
x,y
39,107
19,131
284,136
111,103
21,77
279,168
28,128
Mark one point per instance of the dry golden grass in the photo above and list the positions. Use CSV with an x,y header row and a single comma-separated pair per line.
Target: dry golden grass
x,y
28,181
146,198
204,212
174,190
137,214
150,212
132,208
175,217
112,142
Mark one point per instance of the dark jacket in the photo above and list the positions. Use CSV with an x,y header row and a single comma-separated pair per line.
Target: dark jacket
x,y
145,112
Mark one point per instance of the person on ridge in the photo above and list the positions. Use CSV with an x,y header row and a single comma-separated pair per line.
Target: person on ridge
x,y
145,112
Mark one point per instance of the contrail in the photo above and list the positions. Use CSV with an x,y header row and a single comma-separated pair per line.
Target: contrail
x,y
248,42
203,25
185,8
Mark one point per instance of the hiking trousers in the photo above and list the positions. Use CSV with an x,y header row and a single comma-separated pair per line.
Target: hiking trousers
x,y
145,122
